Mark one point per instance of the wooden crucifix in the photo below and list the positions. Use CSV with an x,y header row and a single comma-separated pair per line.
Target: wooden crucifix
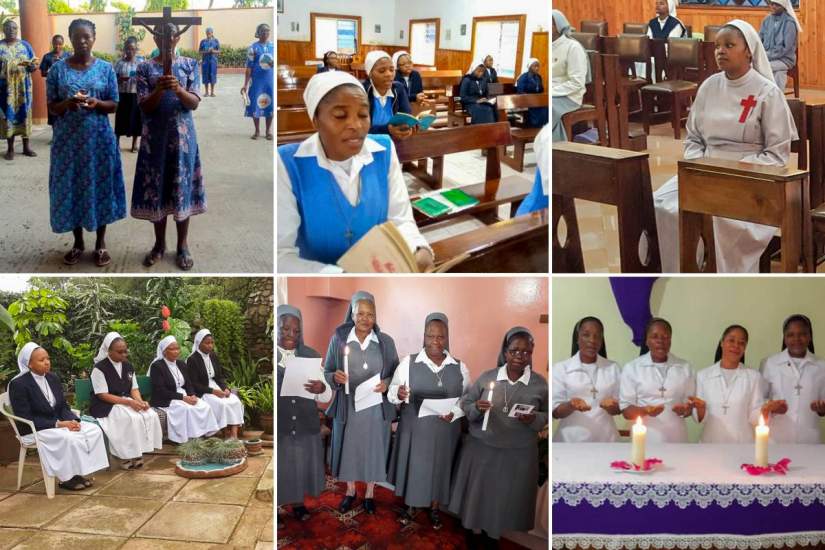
x,y
160,26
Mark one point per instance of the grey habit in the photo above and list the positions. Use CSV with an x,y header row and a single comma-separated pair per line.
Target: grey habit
x,y
422,458
496,479
300,450
360,440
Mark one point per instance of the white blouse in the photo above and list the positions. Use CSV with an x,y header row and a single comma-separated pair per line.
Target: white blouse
x,y
569,70
593,383
401,377
799,385
733,398
645,383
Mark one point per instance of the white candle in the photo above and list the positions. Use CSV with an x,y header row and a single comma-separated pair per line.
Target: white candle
x,y
487,412
346,368
637,446
762,433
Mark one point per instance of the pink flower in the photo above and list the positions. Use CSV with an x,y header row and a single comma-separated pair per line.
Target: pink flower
x,y
165,325
165,312
780,467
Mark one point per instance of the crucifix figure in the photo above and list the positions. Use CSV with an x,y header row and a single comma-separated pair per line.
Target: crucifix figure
x,y
594,392
662,391
798,388
164,27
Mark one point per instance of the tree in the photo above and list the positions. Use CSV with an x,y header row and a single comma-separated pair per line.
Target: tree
x,y
252,3
60,6
94,6
158,5
9,6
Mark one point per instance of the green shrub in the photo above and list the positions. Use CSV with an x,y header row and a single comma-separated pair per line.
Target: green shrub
x,y
225,321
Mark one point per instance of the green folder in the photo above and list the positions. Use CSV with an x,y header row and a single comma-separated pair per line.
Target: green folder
x,y
430,207
459,198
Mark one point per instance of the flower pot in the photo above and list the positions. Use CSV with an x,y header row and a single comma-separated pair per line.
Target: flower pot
x,y
253,447
266,421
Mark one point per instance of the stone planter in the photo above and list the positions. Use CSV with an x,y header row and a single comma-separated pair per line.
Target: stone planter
x,y
266,421
253,447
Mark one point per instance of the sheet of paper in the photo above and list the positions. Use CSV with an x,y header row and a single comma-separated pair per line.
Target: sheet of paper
x,y
520,408
437,407
365,394
297,372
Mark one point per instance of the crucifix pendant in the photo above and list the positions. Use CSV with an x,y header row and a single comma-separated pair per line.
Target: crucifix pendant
x,y
662,391
798,388
349,234
505,408
440,383
594,392
365,366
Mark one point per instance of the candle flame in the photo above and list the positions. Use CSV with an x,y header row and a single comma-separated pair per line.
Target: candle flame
x,y
761,420
492,385
639,421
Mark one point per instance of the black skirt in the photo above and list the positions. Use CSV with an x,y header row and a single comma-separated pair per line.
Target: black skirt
x,y
128,120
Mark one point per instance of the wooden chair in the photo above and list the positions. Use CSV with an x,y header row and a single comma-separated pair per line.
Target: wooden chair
x,y
793,73
607,176
633,49
598,27
520,136
815,115
6,410
634,28
711,31
593,110
590,40
682,53
618,106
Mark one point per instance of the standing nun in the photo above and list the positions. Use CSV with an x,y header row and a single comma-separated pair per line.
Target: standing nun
x,y
130,424
569,73
425,447
300,449
207,377
665,25
738,114
360,439
187,417
69,449
209,49
386,96
657,385
795,380
529,82
473,92
339,183
586,388
779,34
496,479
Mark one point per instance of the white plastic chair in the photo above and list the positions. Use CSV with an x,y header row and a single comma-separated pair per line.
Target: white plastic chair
x,y
6,410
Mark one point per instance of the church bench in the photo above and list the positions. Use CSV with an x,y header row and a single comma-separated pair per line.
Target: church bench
x,y
608,176
298,71
520,136
290,97
516,245
770,195
293,125
457,116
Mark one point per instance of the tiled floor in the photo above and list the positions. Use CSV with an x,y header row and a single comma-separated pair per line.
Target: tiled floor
x,y
598,224
140,510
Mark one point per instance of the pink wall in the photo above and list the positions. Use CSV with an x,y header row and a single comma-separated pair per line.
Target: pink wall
x,y
480,309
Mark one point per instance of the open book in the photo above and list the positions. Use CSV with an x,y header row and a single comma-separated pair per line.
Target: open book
x,y
384,250
423,120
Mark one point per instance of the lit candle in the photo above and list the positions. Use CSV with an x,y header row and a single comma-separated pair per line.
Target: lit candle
x,y
762,433
346,368
487,412
637,447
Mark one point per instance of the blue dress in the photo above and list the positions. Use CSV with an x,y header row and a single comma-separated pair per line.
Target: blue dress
x,y
209,60
529,83
15,90
261,59
168,176
85,176
48,60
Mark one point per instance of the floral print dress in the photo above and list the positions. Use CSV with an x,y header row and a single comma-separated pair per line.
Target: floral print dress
x,y
15,89
261,60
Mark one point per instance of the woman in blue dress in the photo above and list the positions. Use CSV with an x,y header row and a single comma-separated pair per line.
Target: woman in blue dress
x,y
17,62
473,92
168,178
50,59
85,177
529,82
259,81
209,50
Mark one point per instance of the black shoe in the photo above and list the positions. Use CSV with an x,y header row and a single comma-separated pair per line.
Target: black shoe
x,y
406,516
346,504
369,505
300,512
489,542
435,520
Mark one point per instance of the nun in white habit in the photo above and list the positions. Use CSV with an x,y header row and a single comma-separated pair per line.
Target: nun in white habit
x,y
129,422
69,449
187,417
207,377
739,114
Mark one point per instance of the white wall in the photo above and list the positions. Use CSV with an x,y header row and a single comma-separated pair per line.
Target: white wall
x,y
372,13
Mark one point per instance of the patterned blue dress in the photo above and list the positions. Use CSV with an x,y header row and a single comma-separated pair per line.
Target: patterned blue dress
x,y
261,59
168,176
15,89
85,176
48,60
210,60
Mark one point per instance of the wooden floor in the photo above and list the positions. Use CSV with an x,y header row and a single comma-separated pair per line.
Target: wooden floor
x,y
598,224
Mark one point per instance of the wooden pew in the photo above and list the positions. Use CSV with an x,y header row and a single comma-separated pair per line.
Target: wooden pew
x,y
521,136
517,245
457,116
608,176
293,125
290,97
770,195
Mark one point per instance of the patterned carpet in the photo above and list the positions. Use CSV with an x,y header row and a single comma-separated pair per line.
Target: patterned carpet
x,y
357,530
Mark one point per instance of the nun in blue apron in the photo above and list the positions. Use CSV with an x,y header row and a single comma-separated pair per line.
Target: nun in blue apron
x,y
386,97
340,182
537,199
209,49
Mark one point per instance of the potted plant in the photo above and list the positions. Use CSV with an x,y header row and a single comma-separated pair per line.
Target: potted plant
x,y
234,451
213,450
253,446
264,405
192,453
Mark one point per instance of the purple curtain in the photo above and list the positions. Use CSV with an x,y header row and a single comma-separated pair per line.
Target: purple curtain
x,y
633,299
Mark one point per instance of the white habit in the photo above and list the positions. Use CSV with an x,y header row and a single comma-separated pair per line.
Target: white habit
x,y
185,421
733,398
228,411
572,378
782,375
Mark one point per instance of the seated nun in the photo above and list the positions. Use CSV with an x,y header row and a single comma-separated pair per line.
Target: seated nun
x,y
569,73
330,62
489,70
473,92
779,34
339,183
187,417
409,77
529,82
538,199
130,424
385,96
206,373
69,449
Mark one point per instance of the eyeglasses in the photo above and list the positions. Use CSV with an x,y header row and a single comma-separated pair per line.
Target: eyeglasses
x,y
520,352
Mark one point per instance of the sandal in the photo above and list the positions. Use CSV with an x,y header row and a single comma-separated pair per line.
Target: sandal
x,y
255,136
127,464
184,260
406,516
155,255
102,257
29,153
137,464
87,481
72,256
73,484
269,137
435,520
